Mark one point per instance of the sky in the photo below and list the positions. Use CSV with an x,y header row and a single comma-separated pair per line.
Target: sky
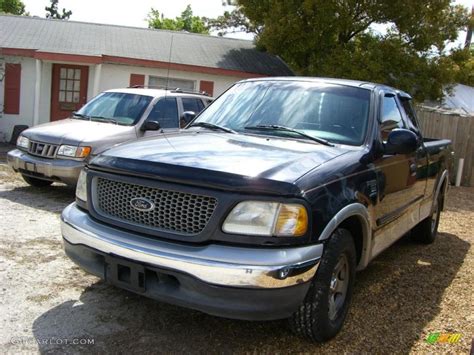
x,y
130,13
134,13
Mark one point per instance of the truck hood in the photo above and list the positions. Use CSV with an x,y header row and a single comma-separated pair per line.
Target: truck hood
x,y
220,160
75,132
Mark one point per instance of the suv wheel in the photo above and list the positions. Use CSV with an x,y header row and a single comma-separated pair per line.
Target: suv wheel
x,y
36,182
322,314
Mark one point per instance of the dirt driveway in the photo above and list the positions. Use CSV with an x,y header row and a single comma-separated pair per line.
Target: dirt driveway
x,y
47,303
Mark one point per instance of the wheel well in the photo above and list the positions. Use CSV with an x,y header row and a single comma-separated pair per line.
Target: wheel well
x,y
442,193
354,226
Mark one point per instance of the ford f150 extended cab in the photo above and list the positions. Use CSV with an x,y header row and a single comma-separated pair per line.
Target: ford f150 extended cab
x,y
57,151
266,204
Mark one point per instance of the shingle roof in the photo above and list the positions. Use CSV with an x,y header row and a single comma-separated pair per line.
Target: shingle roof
x,y
82,38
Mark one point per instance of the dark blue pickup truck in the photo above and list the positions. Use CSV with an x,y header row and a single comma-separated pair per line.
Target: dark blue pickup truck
x,y
266,204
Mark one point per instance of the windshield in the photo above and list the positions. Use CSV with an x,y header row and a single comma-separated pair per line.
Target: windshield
x,y
336,113
116,107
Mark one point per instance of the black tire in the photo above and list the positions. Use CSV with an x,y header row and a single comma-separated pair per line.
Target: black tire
x,y
425,232
314,319
36,182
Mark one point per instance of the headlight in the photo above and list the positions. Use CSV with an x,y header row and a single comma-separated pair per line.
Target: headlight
x,y
72,151
267,219
81,188
23,142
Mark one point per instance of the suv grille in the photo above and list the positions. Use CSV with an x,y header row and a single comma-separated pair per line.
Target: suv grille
x,y
174,211
44,150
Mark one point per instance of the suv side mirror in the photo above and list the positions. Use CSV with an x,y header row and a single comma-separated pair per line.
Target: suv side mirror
x,y
401,141
188,116
151,126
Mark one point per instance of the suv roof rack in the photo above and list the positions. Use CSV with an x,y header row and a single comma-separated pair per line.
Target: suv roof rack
x,y
172,89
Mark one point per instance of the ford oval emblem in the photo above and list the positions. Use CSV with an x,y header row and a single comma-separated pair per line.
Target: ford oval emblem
x,y
142,204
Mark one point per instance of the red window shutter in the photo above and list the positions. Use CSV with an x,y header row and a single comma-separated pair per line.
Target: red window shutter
x,y
12,89
137,80
207,86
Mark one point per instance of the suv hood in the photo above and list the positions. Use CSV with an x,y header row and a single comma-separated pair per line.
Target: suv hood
x,y
219,160
73,131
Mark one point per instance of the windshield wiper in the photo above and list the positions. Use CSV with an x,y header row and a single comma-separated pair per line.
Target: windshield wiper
x,y
212,126
274,127
80,115
104,119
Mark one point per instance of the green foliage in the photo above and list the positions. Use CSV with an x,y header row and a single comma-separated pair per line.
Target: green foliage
x,y
15,7
463,64
185,22
336,39
231,22
53,12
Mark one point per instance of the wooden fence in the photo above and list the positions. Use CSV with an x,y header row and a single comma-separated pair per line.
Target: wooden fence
x,y
460,130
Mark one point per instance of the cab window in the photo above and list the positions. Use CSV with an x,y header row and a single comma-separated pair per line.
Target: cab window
x,y
391,117
165,112
410,112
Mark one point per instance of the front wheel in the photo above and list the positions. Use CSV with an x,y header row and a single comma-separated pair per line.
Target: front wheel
x,y
322,314
36,182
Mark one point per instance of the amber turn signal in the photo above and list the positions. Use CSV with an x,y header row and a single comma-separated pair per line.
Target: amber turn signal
x,y
292,220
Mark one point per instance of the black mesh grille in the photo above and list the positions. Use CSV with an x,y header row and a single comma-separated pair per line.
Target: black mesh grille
x,y
173,211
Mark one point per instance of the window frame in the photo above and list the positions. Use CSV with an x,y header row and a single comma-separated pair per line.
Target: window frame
x,y
192,98
409,122
383,94
164,98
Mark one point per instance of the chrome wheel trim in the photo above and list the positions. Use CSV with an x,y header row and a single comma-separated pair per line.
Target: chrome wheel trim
x,y
338,286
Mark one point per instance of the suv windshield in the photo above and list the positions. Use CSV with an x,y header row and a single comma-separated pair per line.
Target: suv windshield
x,y
115,107
331,112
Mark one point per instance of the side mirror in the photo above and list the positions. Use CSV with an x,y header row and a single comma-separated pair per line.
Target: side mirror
x,y
188,116
401,141
151,126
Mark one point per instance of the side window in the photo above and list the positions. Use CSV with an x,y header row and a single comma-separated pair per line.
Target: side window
x,y
390,118
194,105
408,107
165,112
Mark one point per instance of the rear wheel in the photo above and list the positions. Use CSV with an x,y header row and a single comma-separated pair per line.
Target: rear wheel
x,y
322,314
425,232
36,182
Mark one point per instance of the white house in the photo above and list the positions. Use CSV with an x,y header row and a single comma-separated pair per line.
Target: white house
x,y
49,68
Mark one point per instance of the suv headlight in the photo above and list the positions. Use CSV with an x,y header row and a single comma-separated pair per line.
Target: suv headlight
x,y
267,219
23,142
72,151
81,188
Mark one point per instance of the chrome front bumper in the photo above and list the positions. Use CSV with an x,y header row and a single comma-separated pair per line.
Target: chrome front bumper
x,y
65,170
214,264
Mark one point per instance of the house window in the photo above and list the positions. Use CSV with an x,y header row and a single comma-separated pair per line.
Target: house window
x,y
171,82
69,85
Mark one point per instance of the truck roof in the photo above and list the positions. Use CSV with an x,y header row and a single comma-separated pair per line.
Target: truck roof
x,y
347,82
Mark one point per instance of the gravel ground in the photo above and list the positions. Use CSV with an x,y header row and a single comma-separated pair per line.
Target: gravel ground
x,y
407,293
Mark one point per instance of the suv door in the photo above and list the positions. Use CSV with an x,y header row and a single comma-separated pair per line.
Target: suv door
x,y
165,112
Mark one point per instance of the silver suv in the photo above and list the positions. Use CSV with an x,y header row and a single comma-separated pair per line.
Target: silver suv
x,y
57,151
